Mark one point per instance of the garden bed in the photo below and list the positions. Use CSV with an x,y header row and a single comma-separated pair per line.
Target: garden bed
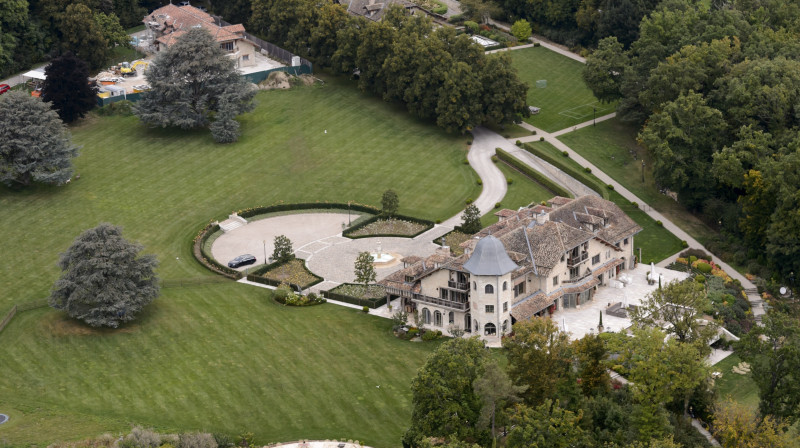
x,y
453,240
293,272
397,226
371,296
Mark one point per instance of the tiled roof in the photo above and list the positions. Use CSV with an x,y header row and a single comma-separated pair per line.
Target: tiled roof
x,y
619,225
174,21
372,10
505,213
528,306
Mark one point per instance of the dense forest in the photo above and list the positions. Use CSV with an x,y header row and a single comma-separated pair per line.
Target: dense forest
x,y
715,91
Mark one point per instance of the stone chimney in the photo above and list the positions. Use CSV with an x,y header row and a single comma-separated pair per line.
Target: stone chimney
x,y
542,218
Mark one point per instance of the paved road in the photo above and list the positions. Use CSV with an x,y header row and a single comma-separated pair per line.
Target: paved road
x,y
494,182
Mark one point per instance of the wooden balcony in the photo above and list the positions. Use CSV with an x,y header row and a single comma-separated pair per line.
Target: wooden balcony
x,y
451,304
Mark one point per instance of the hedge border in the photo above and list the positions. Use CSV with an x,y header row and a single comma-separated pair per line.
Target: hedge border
x,y
257,275
531,173
589,181
371,303
206,259
348,233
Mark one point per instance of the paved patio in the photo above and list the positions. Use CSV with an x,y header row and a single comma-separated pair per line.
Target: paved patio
x,y
584,320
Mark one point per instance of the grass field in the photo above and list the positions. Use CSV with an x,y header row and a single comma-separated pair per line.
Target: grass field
x,y
740,388
162,186
565,100
219,358
611,146
657,243
521,192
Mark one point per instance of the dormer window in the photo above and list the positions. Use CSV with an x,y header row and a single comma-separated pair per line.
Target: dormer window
x,y
409,279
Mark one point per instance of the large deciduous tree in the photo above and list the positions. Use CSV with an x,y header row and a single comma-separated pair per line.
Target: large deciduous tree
x,y
81,34
604,70
105,280
34,144
283,248
773,351
193,84
443,396
681,306
546,426
389,202
736,426
682,138
497,392
539,357
67,87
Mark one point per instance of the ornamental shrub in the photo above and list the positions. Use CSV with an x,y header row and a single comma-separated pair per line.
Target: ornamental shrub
x,y
497,205
471,27
519,143
705,268
431,335
468,201
510,181
365,309
700,278
533,132
494,159
480,182
684,244
659,223
541,139
441,10
412,333
635,204
465,161
565,153
610,187
587,169
692,259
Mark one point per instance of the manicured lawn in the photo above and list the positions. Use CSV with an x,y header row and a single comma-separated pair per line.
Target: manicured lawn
x,y
565,101
611,146
222,357
162,186
740,388
521,192
219,358
657,243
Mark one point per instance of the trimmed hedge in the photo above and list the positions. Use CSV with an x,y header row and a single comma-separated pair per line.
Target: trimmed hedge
x,y
257,276
589,181
372,303
248,212
206,259
428,225
531,173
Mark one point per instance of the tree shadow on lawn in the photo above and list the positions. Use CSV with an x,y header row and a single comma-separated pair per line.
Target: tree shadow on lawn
x,y
58,324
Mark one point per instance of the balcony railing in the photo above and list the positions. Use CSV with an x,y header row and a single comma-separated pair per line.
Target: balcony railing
x,y
572,261
458,285
578,278
460,306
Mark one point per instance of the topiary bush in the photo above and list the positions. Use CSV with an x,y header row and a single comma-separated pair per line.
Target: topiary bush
x,y
565,153
700,278
610,187
465,161
480,182
510,181
468,201
692,259
494,159
541,139
365,309
659,223
635,204
587,169
518,143
684,244
703,267
497,205
431,335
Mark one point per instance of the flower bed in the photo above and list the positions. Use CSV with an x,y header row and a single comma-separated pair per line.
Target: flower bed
x,y
287,297
453,240
372,296
390,226
396,226
293,272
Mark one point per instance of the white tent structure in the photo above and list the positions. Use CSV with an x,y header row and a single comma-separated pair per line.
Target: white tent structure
x,y
35,74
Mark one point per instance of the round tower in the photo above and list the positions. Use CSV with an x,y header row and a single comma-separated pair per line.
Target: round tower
x,y
491,289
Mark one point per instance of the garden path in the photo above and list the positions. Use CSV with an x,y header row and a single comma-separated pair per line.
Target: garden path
x,y
755,301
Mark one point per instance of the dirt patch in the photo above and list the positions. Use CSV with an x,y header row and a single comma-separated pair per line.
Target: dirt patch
x,y
276,81
60,325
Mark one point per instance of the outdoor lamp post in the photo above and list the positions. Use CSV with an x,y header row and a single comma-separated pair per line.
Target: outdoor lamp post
x,y
642,171
594,116
348,213
265,251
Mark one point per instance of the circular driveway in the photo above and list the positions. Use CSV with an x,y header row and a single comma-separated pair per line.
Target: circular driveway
x,y
317,238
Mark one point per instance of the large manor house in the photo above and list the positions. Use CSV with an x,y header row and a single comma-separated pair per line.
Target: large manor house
x,y
531,263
